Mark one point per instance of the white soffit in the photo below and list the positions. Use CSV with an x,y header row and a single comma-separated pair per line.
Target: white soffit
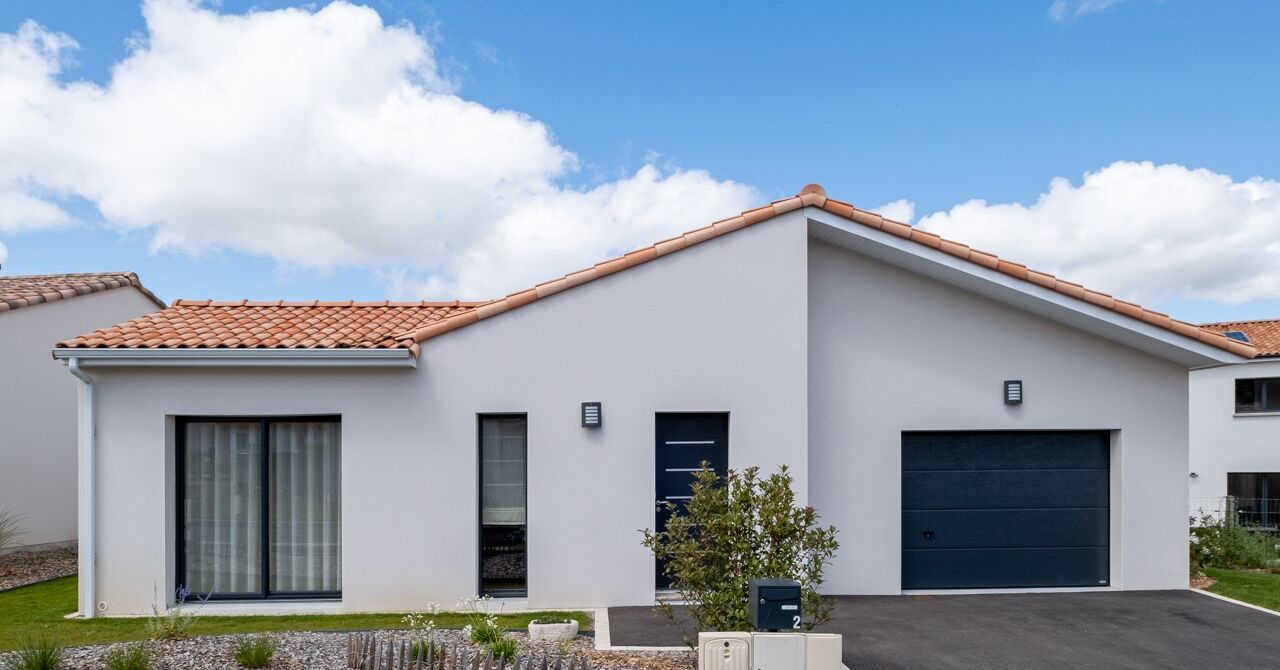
x,y
1015,292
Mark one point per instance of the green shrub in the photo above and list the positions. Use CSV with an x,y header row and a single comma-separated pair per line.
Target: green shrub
x,y
255,651
420,649
10,530
131,657
503,648
737,528
1217,543
486,632
36,653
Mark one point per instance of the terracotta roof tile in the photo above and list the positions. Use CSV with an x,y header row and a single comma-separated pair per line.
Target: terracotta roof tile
x,y
405,325
204,324
1263,334
815,196
18,291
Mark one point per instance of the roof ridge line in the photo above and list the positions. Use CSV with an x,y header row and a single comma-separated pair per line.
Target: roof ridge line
x,y
244,302
1273,319
814,195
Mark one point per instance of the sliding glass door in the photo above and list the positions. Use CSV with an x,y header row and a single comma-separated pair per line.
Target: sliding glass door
x,y
260,507
503,452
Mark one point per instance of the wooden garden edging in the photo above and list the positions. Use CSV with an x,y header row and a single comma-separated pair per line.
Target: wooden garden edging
x,y
366,652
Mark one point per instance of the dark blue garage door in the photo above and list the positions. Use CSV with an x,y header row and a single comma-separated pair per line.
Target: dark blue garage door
x,y
1004,509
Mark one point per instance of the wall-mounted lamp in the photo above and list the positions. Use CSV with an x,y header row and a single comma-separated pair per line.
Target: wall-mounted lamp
x,y
591,417
1013,392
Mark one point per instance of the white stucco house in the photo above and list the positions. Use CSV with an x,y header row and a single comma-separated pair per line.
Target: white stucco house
x,y
38,399
964,421
1235,430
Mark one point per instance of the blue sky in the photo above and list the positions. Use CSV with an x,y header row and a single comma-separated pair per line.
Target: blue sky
x,y
935,103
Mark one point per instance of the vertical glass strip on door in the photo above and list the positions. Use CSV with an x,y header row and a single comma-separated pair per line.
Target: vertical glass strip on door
x,y
222,508
306,507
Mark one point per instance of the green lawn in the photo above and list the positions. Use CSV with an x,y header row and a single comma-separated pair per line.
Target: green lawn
x,y
40,608
1257,588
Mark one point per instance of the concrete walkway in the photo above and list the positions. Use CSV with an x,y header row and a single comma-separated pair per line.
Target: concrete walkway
x,y
1105,630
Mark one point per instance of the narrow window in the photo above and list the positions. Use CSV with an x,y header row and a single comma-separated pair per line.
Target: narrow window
x,y
503,452
260,507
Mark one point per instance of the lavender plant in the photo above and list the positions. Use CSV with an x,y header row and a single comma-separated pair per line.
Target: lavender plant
x,y
172,623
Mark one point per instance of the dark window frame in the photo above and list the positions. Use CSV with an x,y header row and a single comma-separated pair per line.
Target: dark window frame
x,y
480,588
180,502
1263,404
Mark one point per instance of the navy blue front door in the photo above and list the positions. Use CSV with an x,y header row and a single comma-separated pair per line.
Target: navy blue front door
x,y
1005,509
684,442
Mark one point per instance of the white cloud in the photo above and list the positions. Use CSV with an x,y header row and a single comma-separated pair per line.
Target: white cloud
x,y
319,138
1068,10
1142,231
899,210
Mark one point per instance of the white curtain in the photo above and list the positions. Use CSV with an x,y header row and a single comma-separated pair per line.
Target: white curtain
x,y
306,507
502,454
223,507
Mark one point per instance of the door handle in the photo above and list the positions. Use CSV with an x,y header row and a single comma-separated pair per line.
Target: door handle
x,y
928,535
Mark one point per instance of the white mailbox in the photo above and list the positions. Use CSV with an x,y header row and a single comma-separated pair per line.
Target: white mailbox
x,y
724,651
777,651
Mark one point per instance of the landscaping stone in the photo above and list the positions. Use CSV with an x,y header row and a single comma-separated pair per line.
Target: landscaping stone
x,y
557,631
28,566
328,651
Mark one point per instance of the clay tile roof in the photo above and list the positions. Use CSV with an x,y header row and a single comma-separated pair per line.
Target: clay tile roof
x,y
240,324
1263,334
18,291
813,195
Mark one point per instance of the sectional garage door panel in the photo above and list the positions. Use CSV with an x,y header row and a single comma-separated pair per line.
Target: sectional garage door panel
x,y
1021,529
1003,489
1006,568
1005,509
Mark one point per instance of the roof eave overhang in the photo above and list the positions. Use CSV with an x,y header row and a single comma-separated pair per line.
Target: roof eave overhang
x,y
250,358
1018,293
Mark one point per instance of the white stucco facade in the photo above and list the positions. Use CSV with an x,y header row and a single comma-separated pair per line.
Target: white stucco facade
x,y
1224,441
820,354
38,408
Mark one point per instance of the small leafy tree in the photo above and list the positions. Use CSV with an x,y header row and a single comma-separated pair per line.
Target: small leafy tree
x,y
735,529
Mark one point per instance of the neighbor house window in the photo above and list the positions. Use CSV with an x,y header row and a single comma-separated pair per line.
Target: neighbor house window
x,y
503,456
1258,395
1255,497
260,507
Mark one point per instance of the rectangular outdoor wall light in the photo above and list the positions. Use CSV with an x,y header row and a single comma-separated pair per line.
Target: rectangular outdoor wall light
x,y
591,417
1013,392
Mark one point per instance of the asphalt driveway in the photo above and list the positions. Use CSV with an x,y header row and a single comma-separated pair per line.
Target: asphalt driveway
x,y
1112,630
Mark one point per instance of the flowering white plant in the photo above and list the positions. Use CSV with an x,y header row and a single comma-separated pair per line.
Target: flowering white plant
x,y
483,628
423,621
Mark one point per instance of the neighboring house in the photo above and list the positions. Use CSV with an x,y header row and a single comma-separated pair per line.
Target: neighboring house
x,y
38,398
1235,429
377,456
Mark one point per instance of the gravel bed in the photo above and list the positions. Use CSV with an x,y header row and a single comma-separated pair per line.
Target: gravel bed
x,y
28,566
328,651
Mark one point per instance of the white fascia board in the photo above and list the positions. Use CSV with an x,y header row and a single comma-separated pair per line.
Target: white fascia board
x,y
1019,293
255,358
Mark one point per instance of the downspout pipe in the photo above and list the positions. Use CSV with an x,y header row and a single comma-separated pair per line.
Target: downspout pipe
x,y
88,592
